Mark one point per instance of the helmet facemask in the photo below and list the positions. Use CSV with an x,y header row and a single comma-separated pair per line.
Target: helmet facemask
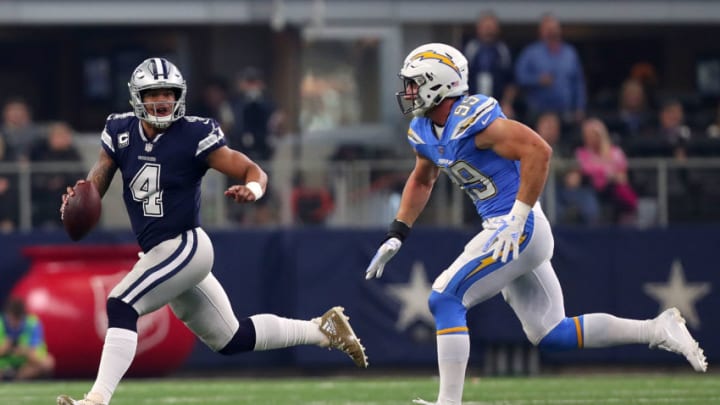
x,y
412,102
153,112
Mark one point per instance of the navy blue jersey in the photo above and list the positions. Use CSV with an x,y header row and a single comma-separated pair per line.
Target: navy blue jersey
x,y
490,180
161,177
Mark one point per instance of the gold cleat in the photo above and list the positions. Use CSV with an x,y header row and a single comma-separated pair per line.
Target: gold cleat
x,y
90,399
335,326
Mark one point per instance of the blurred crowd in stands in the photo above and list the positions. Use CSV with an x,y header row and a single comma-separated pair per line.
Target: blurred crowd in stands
x,y
542,85
251,122
24,142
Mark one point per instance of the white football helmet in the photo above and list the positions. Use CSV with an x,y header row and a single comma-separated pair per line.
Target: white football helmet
x,y
157,73
439,70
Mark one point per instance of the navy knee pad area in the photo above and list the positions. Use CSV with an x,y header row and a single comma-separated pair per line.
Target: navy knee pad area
x,y
121,315
242,341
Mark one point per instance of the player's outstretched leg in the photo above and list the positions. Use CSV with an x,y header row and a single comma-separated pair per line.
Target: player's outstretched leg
x,y
672,335
667,331
335,325
90,399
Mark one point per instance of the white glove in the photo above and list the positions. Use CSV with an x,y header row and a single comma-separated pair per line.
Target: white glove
x,y
508,230
386,251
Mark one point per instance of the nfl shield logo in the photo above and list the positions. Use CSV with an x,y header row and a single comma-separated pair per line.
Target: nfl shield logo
x,y
441,149
148,147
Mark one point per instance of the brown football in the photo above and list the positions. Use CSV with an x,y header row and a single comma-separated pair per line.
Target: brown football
x,y
82,211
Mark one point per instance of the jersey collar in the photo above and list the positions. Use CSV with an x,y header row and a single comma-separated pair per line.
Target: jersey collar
x,y
144,138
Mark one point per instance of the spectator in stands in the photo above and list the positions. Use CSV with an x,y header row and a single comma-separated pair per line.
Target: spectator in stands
x,y
551,76
310,204
256,122
606,166
672,132
576,202
711,145
215,103
18,128
23,353
713,130
49,186
549,127
322,106
490,63
646,74
255,117
8,191
633,118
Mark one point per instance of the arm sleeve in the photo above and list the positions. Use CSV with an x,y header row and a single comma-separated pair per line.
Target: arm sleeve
x,y
107,139
210,137
416,141
477,119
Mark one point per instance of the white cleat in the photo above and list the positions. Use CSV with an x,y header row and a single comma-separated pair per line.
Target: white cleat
x,y
422,402
335,326
672,335
90,399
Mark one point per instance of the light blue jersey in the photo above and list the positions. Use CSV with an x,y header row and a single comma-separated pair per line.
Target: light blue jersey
x,y
490,180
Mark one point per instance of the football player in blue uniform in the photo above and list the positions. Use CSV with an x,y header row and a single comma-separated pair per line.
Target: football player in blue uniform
x,y
163,155
502,165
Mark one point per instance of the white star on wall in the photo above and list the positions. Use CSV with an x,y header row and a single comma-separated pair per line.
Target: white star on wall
x,y
677,292
413,298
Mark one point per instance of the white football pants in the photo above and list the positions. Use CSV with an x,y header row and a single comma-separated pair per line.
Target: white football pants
x,y
177,272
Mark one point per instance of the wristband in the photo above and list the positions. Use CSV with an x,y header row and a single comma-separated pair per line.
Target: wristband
x,y
398,229
256,189
520,209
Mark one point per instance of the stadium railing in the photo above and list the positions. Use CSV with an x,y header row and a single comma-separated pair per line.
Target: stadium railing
x,y
366,193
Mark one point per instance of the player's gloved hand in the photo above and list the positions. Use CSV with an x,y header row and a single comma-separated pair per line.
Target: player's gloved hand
x,y
507,232
397,232
386,251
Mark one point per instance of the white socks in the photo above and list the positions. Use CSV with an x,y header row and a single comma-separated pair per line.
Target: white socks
x,y
603,330
453,354
117,355
274,332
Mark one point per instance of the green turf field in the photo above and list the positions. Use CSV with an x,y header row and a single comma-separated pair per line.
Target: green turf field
x,y
591,389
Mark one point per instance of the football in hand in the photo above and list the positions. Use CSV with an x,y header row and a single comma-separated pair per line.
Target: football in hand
x,y
82,210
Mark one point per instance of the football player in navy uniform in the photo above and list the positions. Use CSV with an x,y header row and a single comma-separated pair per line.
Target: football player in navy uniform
x,y
502,165
163,155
